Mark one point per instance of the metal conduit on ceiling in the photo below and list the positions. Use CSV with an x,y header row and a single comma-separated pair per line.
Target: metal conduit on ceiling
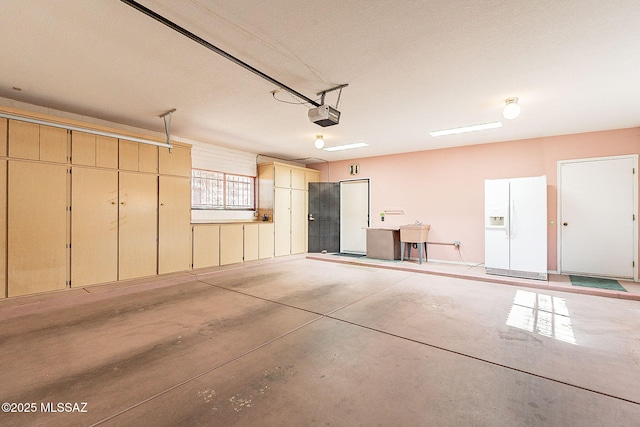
x,y
216,49
87,130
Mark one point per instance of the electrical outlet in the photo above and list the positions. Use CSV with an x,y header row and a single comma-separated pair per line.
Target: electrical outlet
x,y
457,244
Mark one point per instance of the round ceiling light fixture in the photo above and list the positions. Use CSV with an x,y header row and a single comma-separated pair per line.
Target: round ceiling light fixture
x,y
512,109
319,142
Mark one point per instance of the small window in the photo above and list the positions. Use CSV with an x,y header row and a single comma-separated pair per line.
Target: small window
x,y
218,190
239,192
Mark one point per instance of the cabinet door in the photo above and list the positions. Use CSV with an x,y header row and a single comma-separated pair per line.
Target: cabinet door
x,y
3,137
3,224
174,238
265,240
83,148
282,176
206,246
106,152
282,221
37,227
94,226
298,179
147,158
298,221
53,144
178,162
138,225
231,244
128,155
311,176
24,140
251,242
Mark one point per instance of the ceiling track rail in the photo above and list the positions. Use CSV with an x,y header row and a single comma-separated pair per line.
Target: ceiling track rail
x,y
83,129
216,49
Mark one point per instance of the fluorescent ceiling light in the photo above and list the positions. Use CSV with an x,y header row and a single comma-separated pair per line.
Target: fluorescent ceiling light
x,y
347,147
464,129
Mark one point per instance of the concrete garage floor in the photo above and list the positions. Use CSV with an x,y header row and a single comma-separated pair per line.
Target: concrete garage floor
x,y
303,342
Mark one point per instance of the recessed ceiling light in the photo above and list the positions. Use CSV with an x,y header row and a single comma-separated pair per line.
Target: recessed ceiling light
x,y
464,129
347,146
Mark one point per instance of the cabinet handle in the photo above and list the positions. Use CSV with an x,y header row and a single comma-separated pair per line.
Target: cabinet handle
x,y
565,223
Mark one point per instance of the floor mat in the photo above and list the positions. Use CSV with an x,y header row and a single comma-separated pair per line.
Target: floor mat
x,y
592,282
351,255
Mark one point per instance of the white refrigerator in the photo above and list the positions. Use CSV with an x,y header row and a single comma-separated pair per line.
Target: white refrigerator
x,y
516,227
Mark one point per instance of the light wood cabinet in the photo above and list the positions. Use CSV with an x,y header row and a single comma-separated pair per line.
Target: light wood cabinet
x,y
94,150
94,226
231,244
80,209
298,179
128,155
282,221
174,227
265,240
3,137
37,232
299,207
251,239
53,144
283,196
138,225
281,175
106,152
31,141
83,148
147,158
311,175
206,245
3,228
24,140
178,162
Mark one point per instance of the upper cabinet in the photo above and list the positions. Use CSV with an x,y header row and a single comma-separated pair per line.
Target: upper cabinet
x,y
24,140
106,152
3,137
128,156
136,157
147,158
83,148
94,150
37,142
177,162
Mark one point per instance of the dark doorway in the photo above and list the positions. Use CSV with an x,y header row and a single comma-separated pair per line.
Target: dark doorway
x,y
324,217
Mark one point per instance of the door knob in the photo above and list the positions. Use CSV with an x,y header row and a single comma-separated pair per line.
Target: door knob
x,y
565,223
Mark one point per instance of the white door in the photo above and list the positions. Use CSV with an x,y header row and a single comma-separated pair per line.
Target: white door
x,y
597,232
354,216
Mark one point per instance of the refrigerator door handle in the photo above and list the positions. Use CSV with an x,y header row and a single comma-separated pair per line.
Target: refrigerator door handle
x,y
511,211
507,221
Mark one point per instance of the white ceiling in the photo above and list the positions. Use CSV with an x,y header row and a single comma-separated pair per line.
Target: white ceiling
x,y
412,66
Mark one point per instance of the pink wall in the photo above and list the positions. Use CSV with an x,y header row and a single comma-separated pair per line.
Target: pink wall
x,y
445,188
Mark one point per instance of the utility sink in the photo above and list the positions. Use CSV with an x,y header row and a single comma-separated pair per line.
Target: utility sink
x,y
414,233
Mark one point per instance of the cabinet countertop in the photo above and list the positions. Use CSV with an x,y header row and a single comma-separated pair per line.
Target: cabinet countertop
x,y
231,222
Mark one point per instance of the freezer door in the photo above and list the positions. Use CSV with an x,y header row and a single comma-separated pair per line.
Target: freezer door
x,y
496,237
528,224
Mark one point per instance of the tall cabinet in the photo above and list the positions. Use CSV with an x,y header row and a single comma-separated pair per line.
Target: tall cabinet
x,y
283,194
78,209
